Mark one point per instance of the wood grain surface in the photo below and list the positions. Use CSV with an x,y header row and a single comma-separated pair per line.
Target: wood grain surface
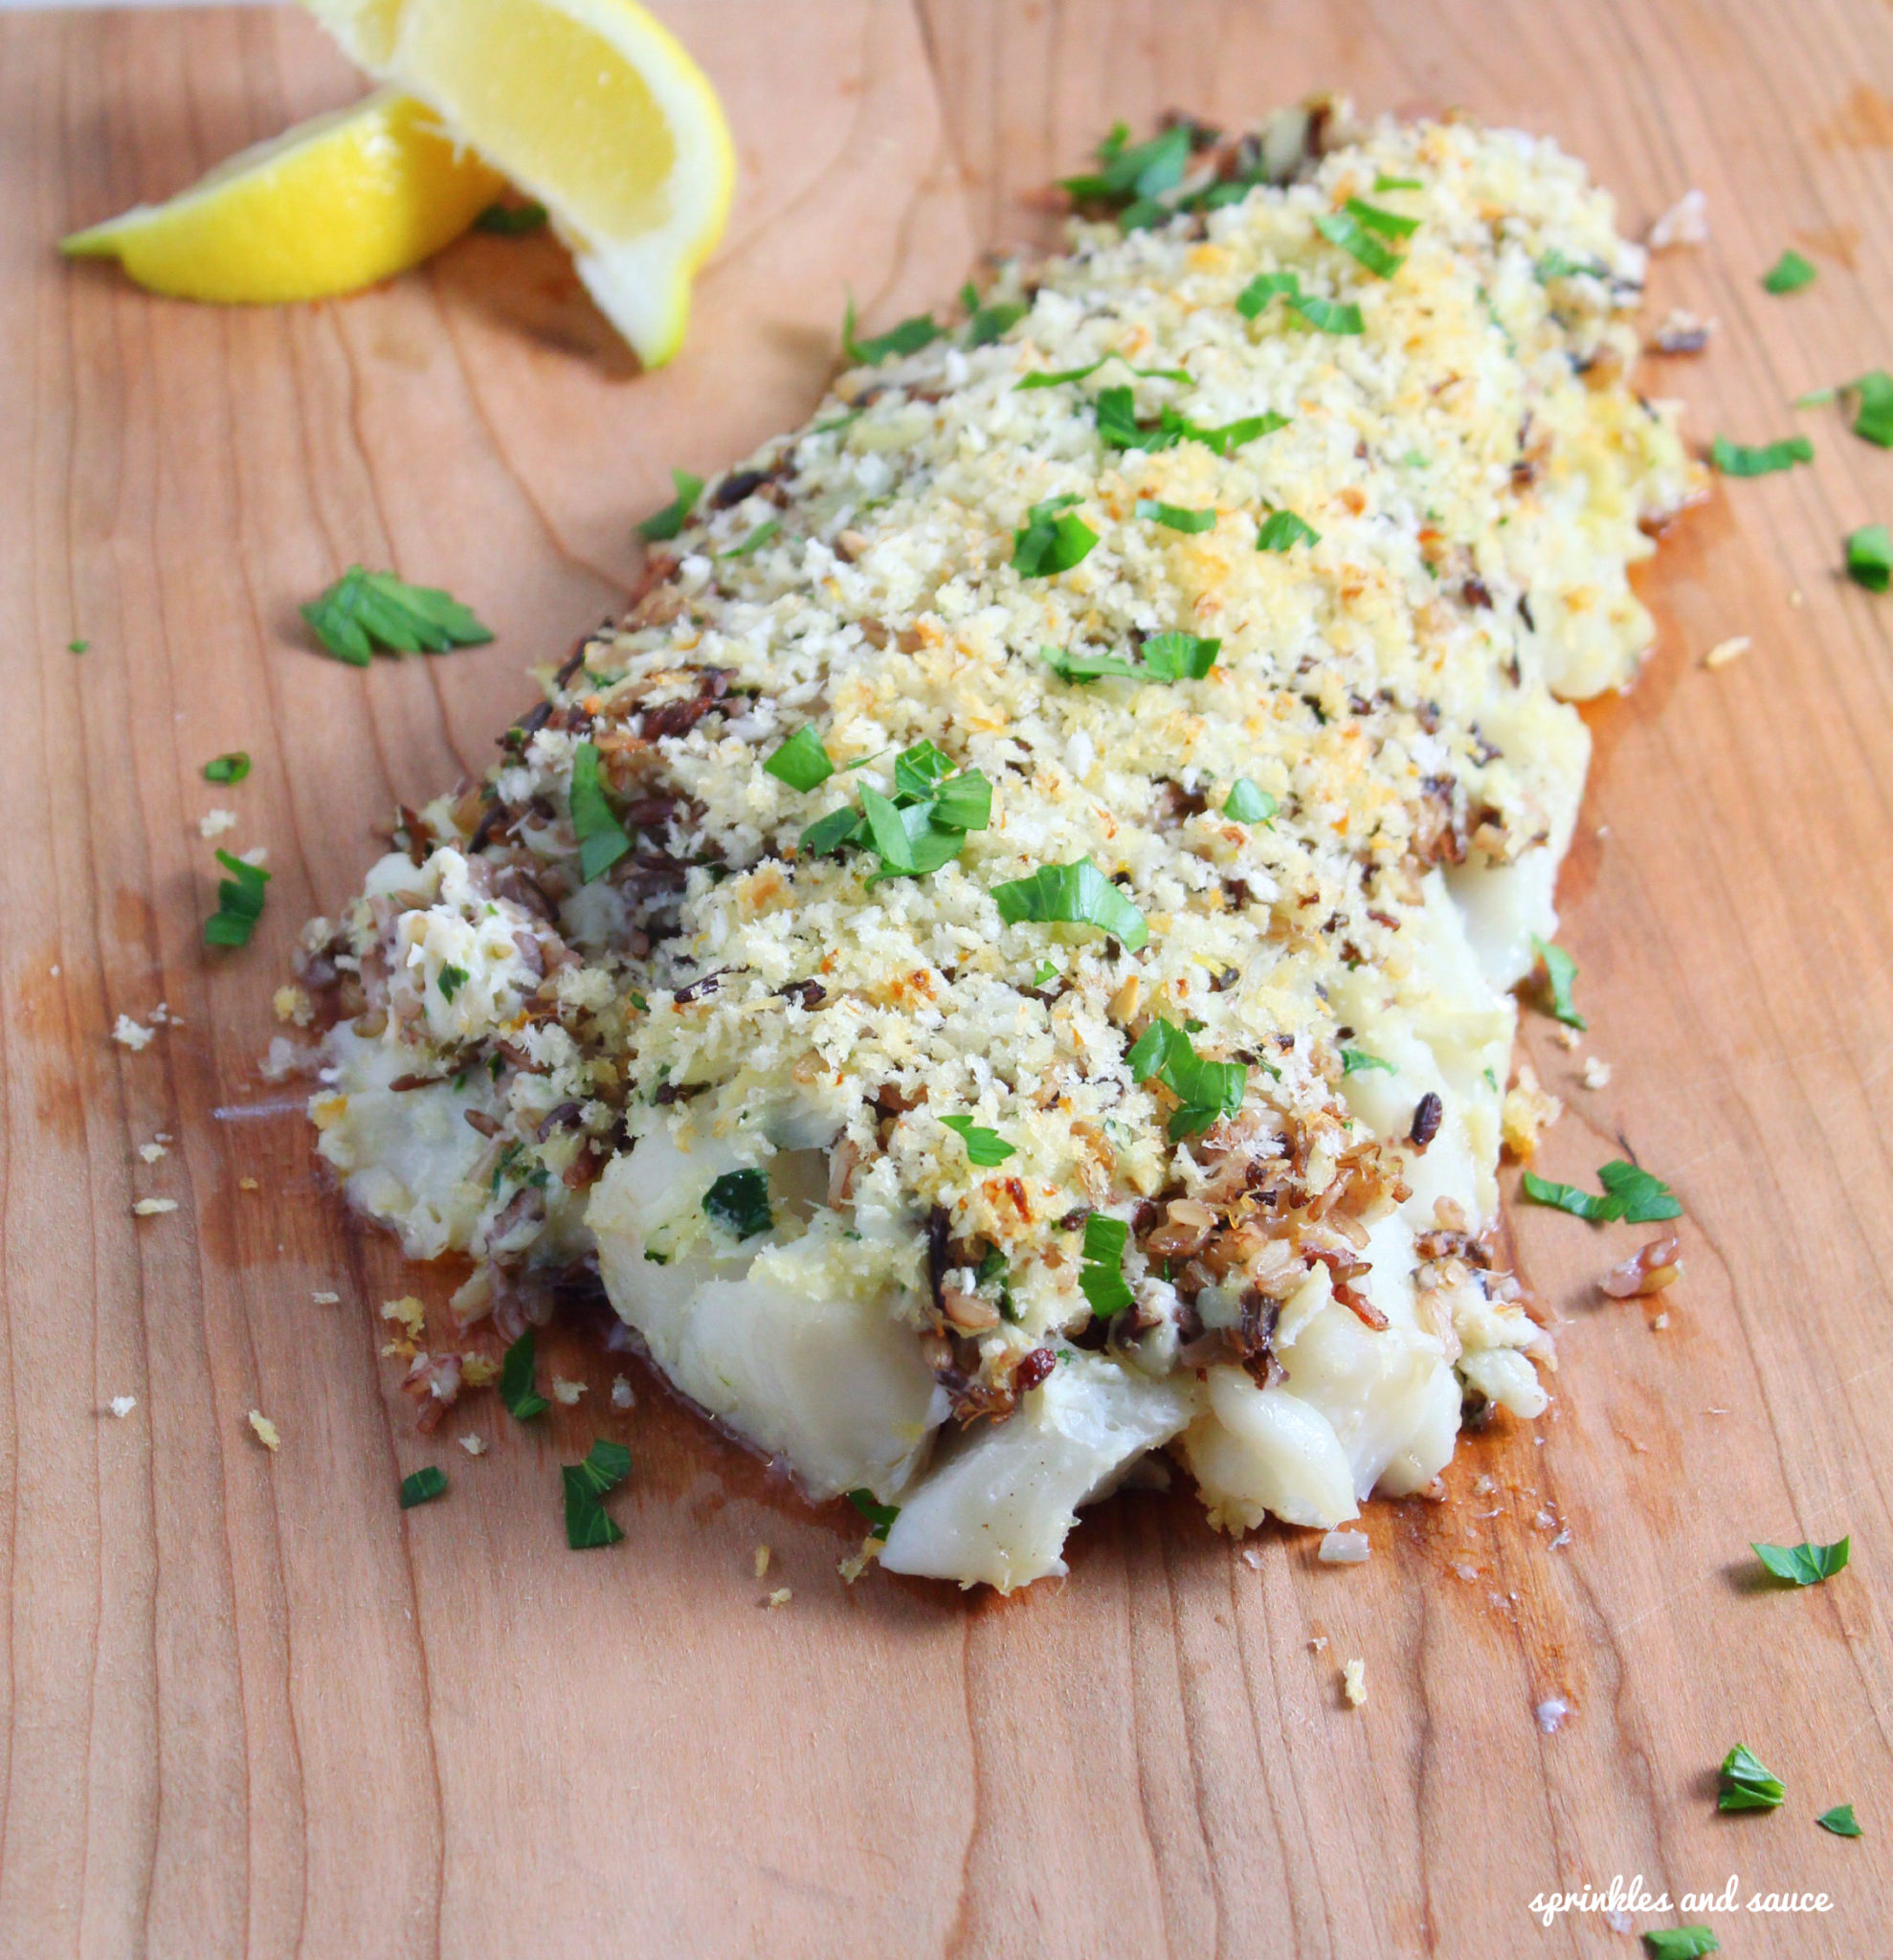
x,y
251,1707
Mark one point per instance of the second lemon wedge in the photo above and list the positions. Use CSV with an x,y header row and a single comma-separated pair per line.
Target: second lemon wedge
x,y
334,204
592,107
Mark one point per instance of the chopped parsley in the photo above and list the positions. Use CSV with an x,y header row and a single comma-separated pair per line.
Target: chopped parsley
x,y
422,1487
516,1370
1353,1060
1076,894
239,903
881,1517
1679,1943
1180,655
1382,182
364,610
588,1523
450,980
1789,273
1247,804
1326,316
1052,540
1204,1089
1282,530
1100,1278
235,766
1390,224
987,323
908,338
1807,1564
1254,297
511,220
1119,427
601,837
739,1201
922,827
663,524
1870,557
1081,668
1174,517
1747,1784
801,762
1044,974
1739,459
1873,407
1134,175
1841,1820
985,1148
756,539
1630,1194
1344,229
1057,378
79,646
1555,265
1561,972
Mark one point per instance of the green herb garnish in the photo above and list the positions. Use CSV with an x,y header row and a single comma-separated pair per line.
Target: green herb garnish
x,y
239,903
422,1487
801,762
1134,174
1326,315
366,609
1081,668
908,338
663,524
1344,229
1118,427
1870,557
1806,1564
450,980
1739,459
1555,265
987,323
1382,182
1561,971
1789,273
1873,407
1355,1060
1282,530
756,539
1841,1820
881,1517
1390,224
739,1201
588,1523
1058,377
1628,1194
516,1372
1076,894
1100,1278
511,220
922,827
1051,543
1174,517
601,837
235,766
1746,1785
1681,1943
985,1148
1180,655
1205,1090
79,646
1254,297
1247,804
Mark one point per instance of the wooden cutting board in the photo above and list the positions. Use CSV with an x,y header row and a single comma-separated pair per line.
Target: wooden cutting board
x,y
253,1708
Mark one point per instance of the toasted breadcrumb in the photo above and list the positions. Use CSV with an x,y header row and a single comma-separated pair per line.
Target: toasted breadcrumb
x,y
151,1152
328,1299
213,823
1567,1039
781,1596
762,1560
266,1431
1727,650
1354,1683
474,1443
122,1406
248,1184
1530,1110
1596,1073
1687,222
132,1034
408,1311
566,1392
293,1004
856,1563
478,1371
153,1208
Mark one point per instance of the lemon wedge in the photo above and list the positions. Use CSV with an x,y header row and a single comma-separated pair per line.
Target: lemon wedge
x,y
591,108
334,204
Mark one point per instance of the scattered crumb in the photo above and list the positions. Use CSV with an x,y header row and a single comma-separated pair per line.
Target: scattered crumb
x,y
566,1392
283,1059
1659,1322
328,1299
1544,1518
408,1311
248,1184
1596,1073
621,1394
153,1208
53,972
151,1152
1483,1486
1683,332
856,1563
132,1034
1715,1411
163,1136
1727,650
162,1016
403,1350
293,1004
266,1431
474,1443
1354,1683
1618,1921
1687,222
1345,1549
781,1596
1797,597
1530,1110
1567,1039
123,1405
1466,1573
1252,1558
256,855
478,1371
762,1560
472,1300
213,823
1562,1540
1551,1713
1319,1643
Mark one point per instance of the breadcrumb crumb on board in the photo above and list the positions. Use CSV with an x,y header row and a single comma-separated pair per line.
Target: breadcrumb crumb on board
x,y
266,1431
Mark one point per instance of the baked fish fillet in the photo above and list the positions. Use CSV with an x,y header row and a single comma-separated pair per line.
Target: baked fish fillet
x,y
1002,961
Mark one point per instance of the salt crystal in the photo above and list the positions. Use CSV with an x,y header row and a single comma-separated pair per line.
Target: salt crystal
x,y
1551,1714
1345,1549
132,1034
474,1443
123,1405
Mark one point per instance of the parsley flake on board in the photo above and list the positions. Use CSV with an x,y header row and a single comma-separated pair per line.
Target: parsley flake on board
x,y
516,1370
422,1487
1805,1565
1841,1820
739,1201
235,766
985,1148
1282,530
364,610
1873,407
239,903
1100,1278
1175,517
588,1523
1344,229
1789,273
908,338
511,220
1134,174
801,762
79,646
1679,1943
451,979
1204,1089
1076,894
1870,557
1052,540
664,524
1355,1060
1247,804
601,837
1630,1194
1560,974
1748,1784
1739,459
881,1517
